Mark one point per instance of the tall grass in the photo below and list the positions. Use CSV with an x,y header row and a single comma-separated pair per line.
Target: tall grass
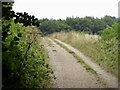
x,y
102,49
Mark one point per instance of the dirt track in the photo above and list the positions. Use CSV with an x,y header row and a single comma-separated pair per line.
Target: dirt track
x,y
69,73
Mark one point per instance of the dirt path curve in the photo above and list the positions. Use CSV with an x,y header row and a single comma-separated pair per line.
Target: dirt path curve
x,y
69,73
110,80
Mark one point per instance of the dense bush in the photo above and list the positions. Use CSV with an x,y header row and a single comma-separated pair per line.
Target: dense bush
x,y
109,46
24,58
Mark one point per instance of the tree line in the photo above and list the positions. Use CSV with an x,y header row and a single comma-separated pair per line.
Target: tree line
x,y
87,24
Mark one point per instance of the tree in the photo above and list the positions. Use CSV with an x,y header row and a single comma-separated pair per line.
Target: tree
x,y
97,26
109,20
48,27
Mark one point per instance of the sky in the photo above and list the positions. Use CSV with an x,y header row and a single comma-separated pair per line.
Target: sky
x,y
60,9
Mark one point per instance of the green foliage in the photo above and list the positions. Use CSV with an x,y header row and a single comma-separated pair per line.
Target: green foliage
x,y
87,24
51,26
7,10
109,46
21,69
26,19
109,20
110,32
48,27
36,70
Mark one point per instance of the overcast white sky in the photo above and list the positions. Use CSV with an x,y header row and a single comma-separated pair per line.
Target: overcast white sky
x,y
66,8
